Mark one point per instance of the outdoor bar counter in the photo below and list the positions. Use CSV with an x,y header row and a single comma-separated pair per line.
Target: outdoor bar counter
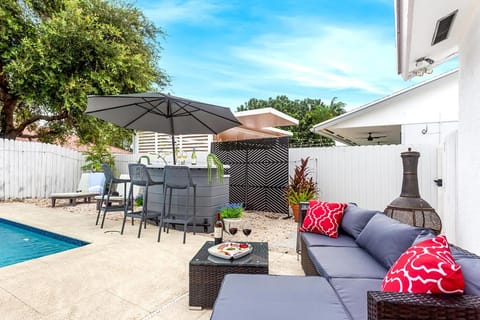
x,y
210,196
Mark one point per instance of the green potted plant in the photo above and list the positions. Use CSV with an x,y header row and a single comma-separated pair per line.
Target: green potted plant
x,y
213,160
301,187
231,211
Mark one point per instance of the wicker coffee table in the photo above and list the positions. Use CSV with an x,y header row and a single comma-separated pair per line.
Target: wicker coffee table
x,y
206,272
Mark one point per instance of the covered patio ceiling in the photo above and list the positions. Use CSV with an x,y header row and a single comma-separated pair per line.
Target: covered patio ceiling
x,y
428,35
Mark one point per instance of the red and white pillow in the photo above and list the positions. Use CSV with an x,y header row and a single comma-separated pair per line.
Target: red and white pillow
x,y
323,218
427,267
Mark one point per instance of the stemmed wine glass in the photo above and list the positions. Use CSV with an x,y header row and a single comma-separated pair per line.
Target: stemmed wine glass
x,y
232,228
247,228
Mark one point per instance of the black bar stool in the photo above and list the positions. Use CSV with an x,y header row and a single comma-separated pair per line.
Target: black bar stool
x,y
178,178
139,176
106,204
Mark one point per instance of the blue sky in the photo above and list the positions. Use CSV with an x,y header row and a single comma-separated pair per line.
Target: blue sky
x,y
226,52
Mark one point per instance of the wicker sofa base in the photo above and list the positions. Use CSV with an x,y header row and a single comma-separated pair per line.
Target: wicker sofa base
x,y
393,305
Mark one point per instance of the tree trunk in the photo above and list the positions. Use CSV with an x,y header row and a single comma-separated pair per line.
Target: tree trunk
x,y
9,103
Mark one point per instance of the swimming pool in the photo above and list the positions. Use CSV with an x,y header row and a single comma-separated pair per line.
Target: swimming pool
x,y
19,242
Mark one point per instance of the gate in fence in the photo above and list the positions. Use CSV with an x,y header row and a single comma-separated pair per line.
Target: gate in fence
x,y
258,172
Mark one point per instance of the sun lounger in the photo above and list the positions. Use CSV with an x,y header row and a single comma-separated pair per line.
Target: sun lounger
x,y
90,185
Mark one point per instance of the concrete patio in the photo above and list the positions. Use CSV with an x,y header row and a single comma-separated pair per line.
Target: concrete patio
x,y
115,277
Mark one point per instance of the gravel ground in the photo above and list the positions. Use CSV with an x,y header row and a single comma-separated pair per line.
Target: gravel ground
x,y
268,227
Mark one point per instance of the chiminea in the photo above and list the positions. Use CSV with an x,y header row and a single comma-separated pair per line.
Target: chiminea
x,y
409,208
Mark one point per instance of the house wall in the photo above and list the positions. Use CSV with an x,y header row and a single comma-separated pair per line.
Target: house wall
x,y
433,133
468,218
434,102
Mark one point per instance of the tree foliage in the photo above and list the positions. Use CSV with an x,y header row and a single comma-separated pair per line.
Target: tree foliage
x,y
308,111
53,53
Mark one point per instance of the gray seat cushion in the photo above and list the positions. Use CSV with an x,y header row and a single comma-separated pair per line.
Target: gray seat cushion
x,y
386,239
345,262
353,293
470,264
355,219
247,296
315,239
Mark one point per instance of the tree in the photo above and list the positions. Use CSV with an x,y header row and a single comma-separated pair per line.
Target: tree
x,y
53,53
308,111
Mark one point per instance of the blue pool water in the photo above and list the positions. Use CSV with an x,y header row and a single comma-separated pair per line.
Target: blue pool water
x,y
19,242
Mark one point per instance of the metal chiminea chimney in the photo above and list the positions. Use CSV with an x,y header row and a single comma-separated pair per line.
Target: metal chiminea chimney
x,y
409,208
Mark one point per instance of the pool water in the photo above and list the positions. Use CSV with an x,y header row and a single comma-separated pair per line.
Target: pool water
x,y
19,242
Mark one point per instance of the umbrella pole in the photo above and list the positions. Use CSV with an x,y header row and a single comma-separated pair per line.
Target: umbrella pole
x,y
173,147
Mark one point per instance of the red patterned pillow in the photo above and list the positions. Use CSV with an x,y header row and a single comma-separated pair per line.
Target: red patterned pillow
x,y
427,267
323,218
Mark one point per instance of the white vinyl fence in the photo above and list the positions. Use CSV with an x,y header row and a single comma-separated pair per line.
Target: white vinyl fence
x,y
35,170
370,176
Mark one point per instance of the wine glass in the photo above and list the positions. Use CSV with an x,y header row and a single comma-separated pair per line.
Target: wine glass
x,y
247,228
232,228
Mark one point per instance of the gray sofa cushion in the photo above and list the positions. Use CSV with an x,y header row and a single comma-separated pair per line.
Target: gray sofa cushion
x,y
247,296
353,293
386,239
355,219
315,239
470,264
345,262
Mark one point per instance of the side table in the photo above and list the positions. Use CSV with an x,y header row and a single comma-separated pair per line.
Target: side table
x,y
206,272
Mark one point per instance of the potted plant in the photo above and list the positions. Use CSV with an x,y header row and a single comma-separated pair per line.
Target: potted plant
x,y
231,211
213,160
301,187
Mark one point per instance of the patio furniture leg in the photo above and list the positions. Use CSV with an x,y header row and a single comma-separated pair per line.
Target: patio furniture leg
x,y
53,202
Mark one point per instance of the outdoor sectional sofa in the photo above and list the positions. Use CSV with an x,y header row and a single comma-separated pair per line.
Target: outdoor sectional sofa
x,y
344,276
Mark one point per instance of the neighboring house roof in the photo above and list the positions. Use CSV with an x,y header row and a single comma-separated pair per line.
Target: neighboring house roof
x,y
416,23
430,101
72,142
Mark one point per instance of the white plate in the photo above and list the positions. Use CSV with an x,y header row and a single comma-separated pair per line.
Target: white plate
x,y
230,250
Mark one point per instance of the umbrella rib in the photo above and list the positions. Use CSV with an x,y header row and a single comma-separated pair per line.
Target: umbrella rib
x,y
147,110
192,113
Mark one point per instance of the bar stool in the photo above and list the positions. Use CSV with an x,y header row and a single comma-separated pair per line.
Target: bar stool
x,y
106,204
177,178
139,176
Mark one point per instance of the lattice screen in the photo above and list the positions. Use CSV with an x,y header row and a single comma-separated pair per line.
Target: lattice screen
x,y
258,172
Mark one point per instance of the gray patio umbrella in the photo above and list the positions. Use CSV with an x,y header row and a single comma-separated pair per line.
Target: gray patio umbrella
x,y
161,113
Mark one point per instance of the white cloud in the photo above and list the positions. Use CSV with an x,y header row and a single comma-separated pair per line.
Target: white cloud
x,y
318,55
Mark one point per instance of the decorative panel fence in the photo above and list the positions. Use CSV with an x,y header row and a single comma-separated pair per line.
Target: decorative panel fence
x,y
35,170
258,172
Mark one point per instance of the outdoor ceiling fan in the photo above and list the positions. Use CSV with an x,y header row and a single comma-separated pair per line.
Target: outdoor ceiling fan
x,y
371,138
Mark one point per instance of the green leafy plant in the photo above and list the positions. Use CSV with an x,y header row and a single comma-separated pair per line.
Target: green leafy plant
x,y
97,155
212,159
301,186
139,200
232,210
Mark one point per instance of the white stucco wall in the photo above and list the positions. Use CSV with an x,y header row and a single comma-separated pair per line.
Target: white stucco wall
x,y
427,133
468,216
433,102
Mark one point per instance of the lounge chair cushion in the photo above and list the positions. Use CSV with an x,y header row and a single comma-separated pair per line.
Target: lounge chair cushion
x,y
353,293
386,239
96,182
355,219
314,239
260,297
345,262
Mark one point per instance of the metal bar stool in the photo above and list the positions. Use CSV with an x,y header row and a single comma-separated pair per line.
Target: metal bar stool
x,y
139,176
178,178
106,204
